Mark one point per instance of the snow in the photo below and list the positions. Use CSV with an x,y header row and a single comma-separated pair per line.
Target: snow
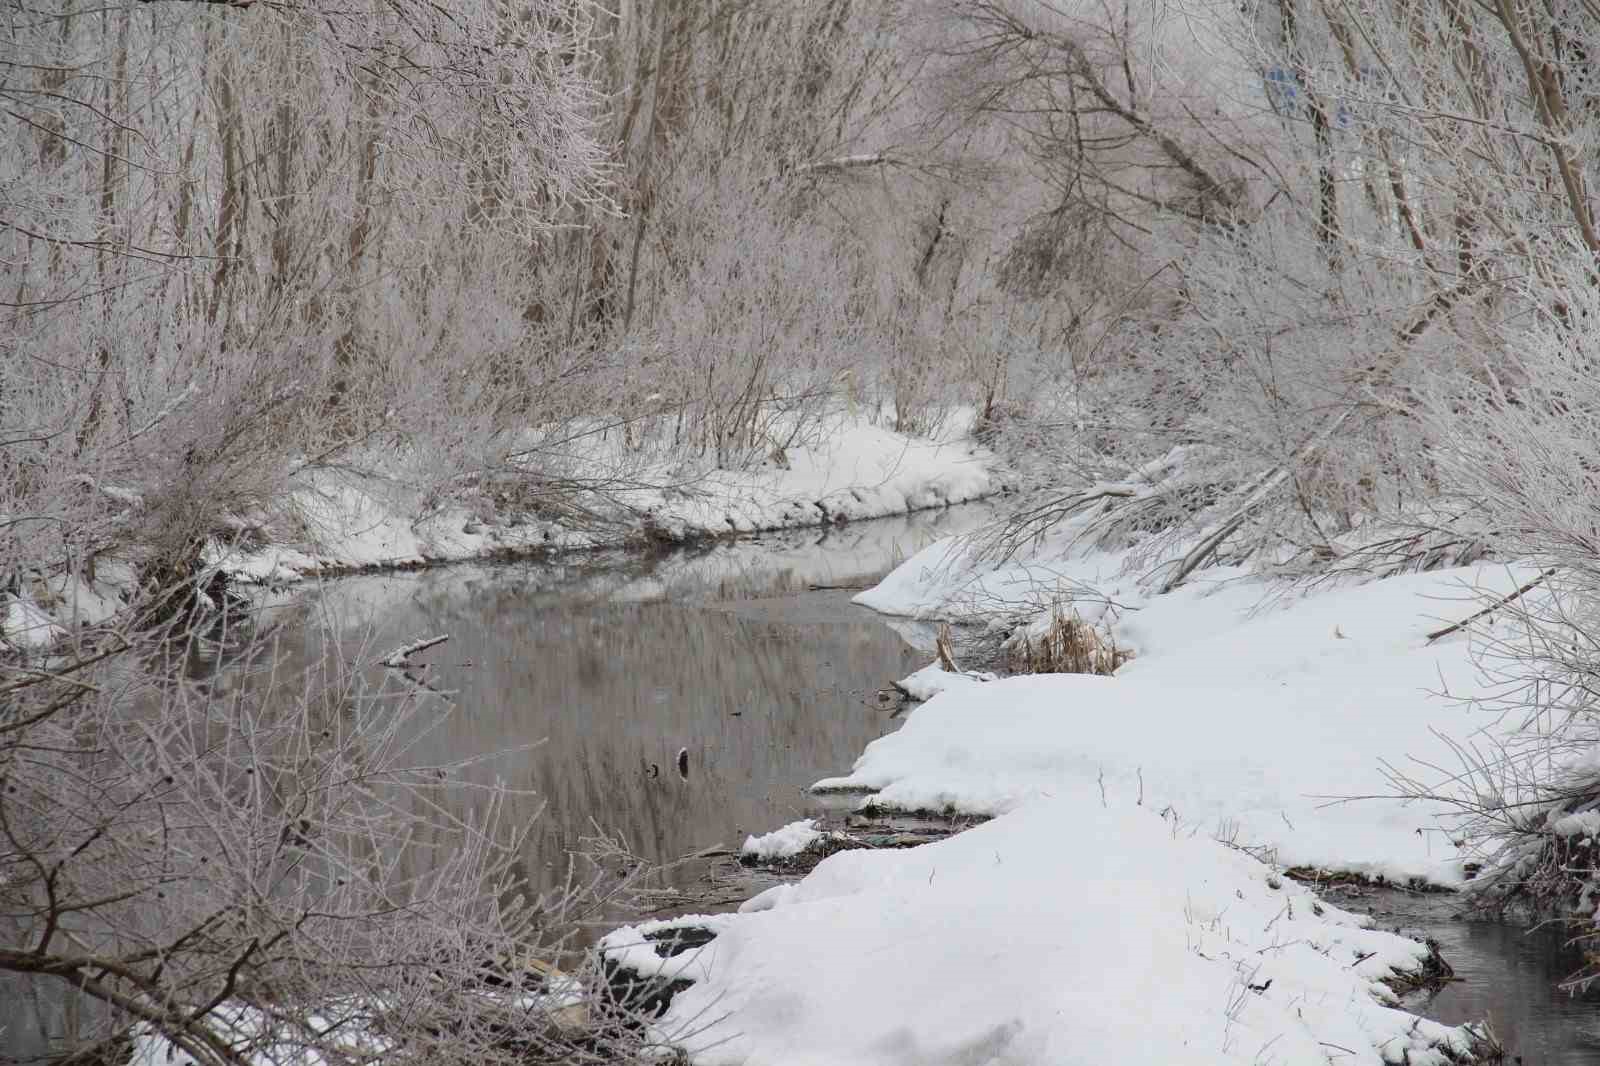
x,y
782,843
242,1026
1062,933
346,1029
861,471
934,679
1254,710
1126,901
852,470
25,625
77,601
1582,824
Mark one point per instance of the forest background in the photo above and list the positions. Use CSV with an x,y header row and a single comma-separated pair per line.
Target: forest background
x,y
1309,284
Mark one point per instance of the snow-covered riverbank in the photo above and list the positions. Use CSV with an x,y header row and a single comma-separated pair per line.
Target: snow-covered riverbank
x,y
1061,933
1273,723
1128,900
858,471
340,521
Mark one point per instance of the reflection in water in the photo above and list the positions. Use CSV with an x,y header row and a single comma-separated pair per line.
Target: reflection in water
x,y
609,665
1505,973
611,693
764,688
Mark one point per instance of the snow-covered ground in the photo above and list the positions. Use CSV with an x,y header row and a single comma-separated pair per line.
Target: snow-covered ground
x,y
857,470
1274,724
783,843
1126,903
1063,933
25,624
340,521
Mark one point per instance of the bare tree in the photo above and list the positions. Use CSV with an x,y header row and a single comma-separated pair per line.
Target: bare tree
x,y
248,867
242,241
1197,154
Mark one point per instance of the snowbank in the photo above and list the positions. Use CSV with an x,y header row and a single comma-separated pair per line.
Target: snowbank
x,y
1126,901
1272,720
1064,932
856,471
344,521
782,843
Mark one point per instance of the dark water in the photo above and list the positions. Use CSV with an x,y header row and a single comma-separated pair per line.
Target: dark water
x,y
731,654
764,696
610,667
1508,974
601,669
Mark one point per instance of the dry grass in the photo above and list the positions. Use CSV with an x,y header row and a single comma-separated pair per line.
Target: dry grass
x,y
1069,646
945,648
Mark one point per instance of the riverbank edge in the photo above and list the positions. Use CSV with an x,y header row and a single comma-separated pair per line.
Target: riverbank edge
x,y
639,994
34,614
348,528
835,833
642,541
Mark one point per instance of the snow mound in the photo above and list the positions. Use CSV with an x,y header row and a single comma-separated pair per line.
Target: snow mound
x,y
853,470
783,843
1251,717
1062,933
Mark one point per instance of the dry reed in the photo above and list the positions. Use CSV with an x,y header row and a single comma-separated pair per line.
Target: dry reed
x,y
1069,646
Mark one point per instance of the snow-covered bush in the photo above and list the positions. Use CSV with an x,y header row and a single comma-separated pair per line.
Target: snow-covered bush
x,y
285,238
1518,449
253,866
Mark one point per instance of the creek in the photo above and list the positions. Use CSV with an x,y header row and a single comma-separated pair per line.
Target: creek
x,y
675,703
593,673
730,651
1508,974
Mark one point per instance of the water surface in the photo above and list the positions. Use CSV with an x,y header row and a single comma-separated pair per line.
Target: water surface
x,y
592,673
747,657
1510,975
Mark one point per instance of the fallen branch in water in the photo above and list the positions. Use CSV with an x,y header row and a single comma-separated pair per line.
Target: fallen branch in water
x,y
401,656
1495,606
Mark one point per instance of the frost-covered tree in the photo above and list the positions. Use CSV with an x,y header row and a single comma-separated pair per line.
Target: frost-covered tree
x,y
248,865
1273,222
238,242
240,239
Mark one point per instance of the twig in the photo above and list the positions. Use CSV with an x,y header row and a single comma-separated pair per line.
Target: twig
x,y
1495,606
161,416
1268,484
401,656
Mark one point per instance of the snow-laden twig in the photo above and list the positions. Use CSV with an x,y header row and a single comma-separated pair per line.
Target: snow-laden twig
x,y
162,415
401,656
1438,634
